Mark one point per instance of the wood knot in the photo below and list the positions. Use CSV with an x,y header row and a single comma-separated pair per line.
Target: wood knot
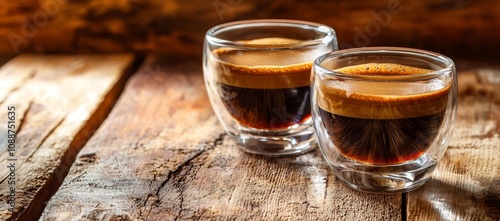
x,y
86,158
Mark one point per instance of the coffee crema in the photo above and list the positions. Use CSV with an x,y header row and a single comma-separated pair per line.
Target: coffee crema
x,y
264,89
382,100
382,122
274,69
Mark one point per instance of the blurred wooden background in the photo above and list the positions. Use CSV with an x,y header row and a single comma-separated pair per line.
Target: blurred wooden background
x,y
457,28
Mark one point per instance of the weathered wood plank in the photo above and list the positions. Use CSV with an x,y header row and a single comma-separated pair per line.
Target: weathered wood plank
x,y
59,102
466,184
162,155
459,28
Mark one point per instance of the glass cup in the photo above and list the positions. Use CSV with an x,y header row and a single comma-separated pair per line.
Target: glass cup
x,y
383,116
257,75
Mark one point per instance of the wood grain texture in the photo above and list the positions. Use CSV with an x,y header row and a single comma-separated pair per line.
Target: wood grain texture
x,y
466,183
59,102
162,155
456,28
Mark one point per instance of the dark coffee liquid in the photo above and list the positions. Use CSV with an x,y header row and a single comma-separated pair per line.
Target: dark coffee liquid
x,y
386,141
264,90
375,128
267,108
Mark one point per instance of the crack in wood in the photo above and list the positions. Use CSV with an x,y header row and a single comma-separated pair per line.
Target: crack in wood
x,y
144,205
174,173
232,193
404,207
34,210
180,206
23,118
22,82
179,168
58,123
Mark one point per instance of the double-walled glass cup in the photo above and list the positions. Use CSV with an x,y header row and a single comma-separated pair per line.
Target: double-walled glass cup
x,y
383,116
257,75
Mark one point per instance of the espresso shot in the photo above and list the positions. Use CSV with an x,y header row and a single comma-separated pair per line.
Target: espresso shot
x,y
382,123
257,74
383,115
273,95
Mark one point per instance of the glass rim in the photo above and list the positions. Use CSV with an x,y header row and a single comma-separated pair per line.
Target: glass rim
x,y
211,35
449,65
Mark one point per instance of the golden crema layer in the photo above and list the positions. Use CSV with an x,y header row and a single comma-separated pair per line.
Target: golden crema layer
x,y
382,100
264,77
382,69
271,69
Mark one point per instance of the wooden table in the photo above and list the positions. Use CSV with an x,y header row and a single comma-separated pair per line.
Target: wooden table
x,y
120,137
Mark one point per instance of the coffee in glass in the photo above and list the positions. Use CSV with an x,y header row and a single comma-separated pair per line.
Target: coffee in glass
x,y
384,116
257,75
